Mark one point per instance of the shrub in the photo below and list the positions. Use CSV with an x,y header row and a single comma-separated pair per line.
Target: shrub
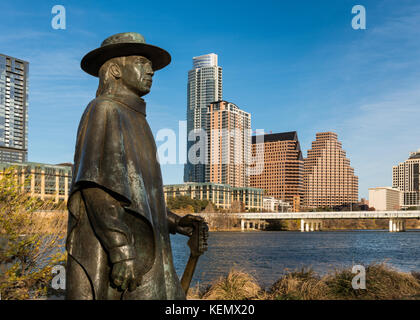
x,y
32,243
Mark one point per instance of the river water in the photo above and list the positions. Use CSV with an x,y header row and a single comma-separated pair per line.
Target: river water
x,y
266,255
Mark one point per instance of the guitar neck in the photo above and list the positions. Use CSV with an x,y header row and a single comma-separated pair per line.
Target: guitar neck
x,y
188,273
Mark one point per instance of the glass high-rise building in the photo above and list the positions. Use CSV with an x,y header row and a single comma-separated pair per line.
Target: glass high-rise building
x,y
13,109
406,178
204,87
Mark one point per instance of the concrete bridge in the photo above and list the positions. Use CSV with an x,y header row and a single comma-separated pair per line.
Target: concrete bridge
x,y
309,221
312,221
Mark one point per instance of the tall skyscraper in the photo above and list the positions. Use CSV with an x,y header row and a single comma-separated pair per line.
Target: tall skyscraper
x,y
13,109
229,144
282,176
405,177
329,180
204,87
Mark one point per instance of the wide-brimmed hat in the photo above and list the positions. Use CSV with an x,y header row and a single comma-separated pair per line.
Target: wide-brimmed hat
x,y
120,45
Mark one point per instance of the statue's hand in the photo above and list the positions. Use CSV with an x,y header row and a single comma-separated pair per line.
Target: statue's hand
x,y
124,277
186,226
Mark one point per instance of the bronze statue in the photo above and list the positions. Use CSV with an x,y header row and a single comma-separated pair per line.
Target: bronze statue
x,y
118,235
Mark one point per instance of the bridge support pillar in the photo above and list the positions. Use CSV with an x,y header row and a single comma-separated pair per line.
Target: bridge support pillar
x,y
396,225
252,224
310,225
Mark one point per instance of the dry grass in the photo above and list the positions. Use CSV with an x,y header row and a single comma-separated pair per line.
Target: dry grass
x,y
299,285
195,293
382,283
237,285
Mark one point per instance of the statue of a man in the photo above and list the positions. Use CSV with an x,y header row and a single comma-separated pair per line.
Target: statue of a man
x,y
118,236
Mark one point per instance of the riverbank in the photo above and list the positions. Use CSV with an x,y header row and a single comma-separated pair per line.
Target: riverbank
x,y
382,283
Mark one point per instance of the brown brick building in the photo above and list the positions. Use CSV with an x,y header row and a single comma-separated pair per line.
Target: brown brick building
x,y
329,180
282,175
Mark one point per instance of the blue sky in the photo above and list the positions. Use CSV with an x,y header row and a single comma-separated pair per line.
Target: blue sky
x,y
294,65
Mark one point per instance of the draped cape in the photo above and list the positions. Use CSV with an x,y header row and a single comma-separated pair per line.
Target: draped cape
x,y
115,151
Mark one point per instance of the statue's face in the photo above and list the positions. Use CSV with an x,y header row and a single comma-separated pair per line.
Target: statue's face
x,y
137,74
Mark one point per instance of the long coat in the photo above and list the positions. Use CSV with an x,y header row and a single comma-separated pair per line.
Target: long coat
x,y
116,151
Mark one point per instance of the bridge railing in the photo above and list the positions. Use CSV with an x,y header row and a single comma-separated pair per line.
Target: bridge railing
x,y
323,215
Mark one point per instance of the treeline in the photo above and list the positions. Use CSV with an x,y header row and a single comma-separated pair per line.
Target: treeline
x,y
186,203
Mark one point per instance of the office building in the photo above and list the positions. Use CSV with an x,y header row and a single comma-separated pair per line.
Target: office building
x,y
220,195
282,175
272,204
329,180
43,181
405,177
384,198
229,144
13,109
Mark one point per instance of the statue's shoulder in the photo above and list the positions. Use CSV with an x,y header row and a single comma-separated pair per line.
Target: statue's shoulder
x,y
101,105
98,111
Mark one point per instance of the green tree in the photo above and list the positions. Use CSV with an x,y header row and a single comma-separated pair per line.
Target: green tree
x,y
183,202
32,242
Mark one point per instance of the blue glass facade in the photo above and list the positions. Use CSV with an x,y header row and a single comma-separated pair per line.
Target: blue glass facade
x,y
13,109
204,86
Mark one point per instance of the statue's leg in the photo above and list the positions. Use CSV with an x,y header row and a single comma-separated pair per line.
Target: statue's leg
x,y
78,286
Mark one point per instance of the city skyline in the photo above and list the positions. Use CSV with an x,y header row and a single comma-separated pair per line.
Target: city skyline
x,y
311,72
